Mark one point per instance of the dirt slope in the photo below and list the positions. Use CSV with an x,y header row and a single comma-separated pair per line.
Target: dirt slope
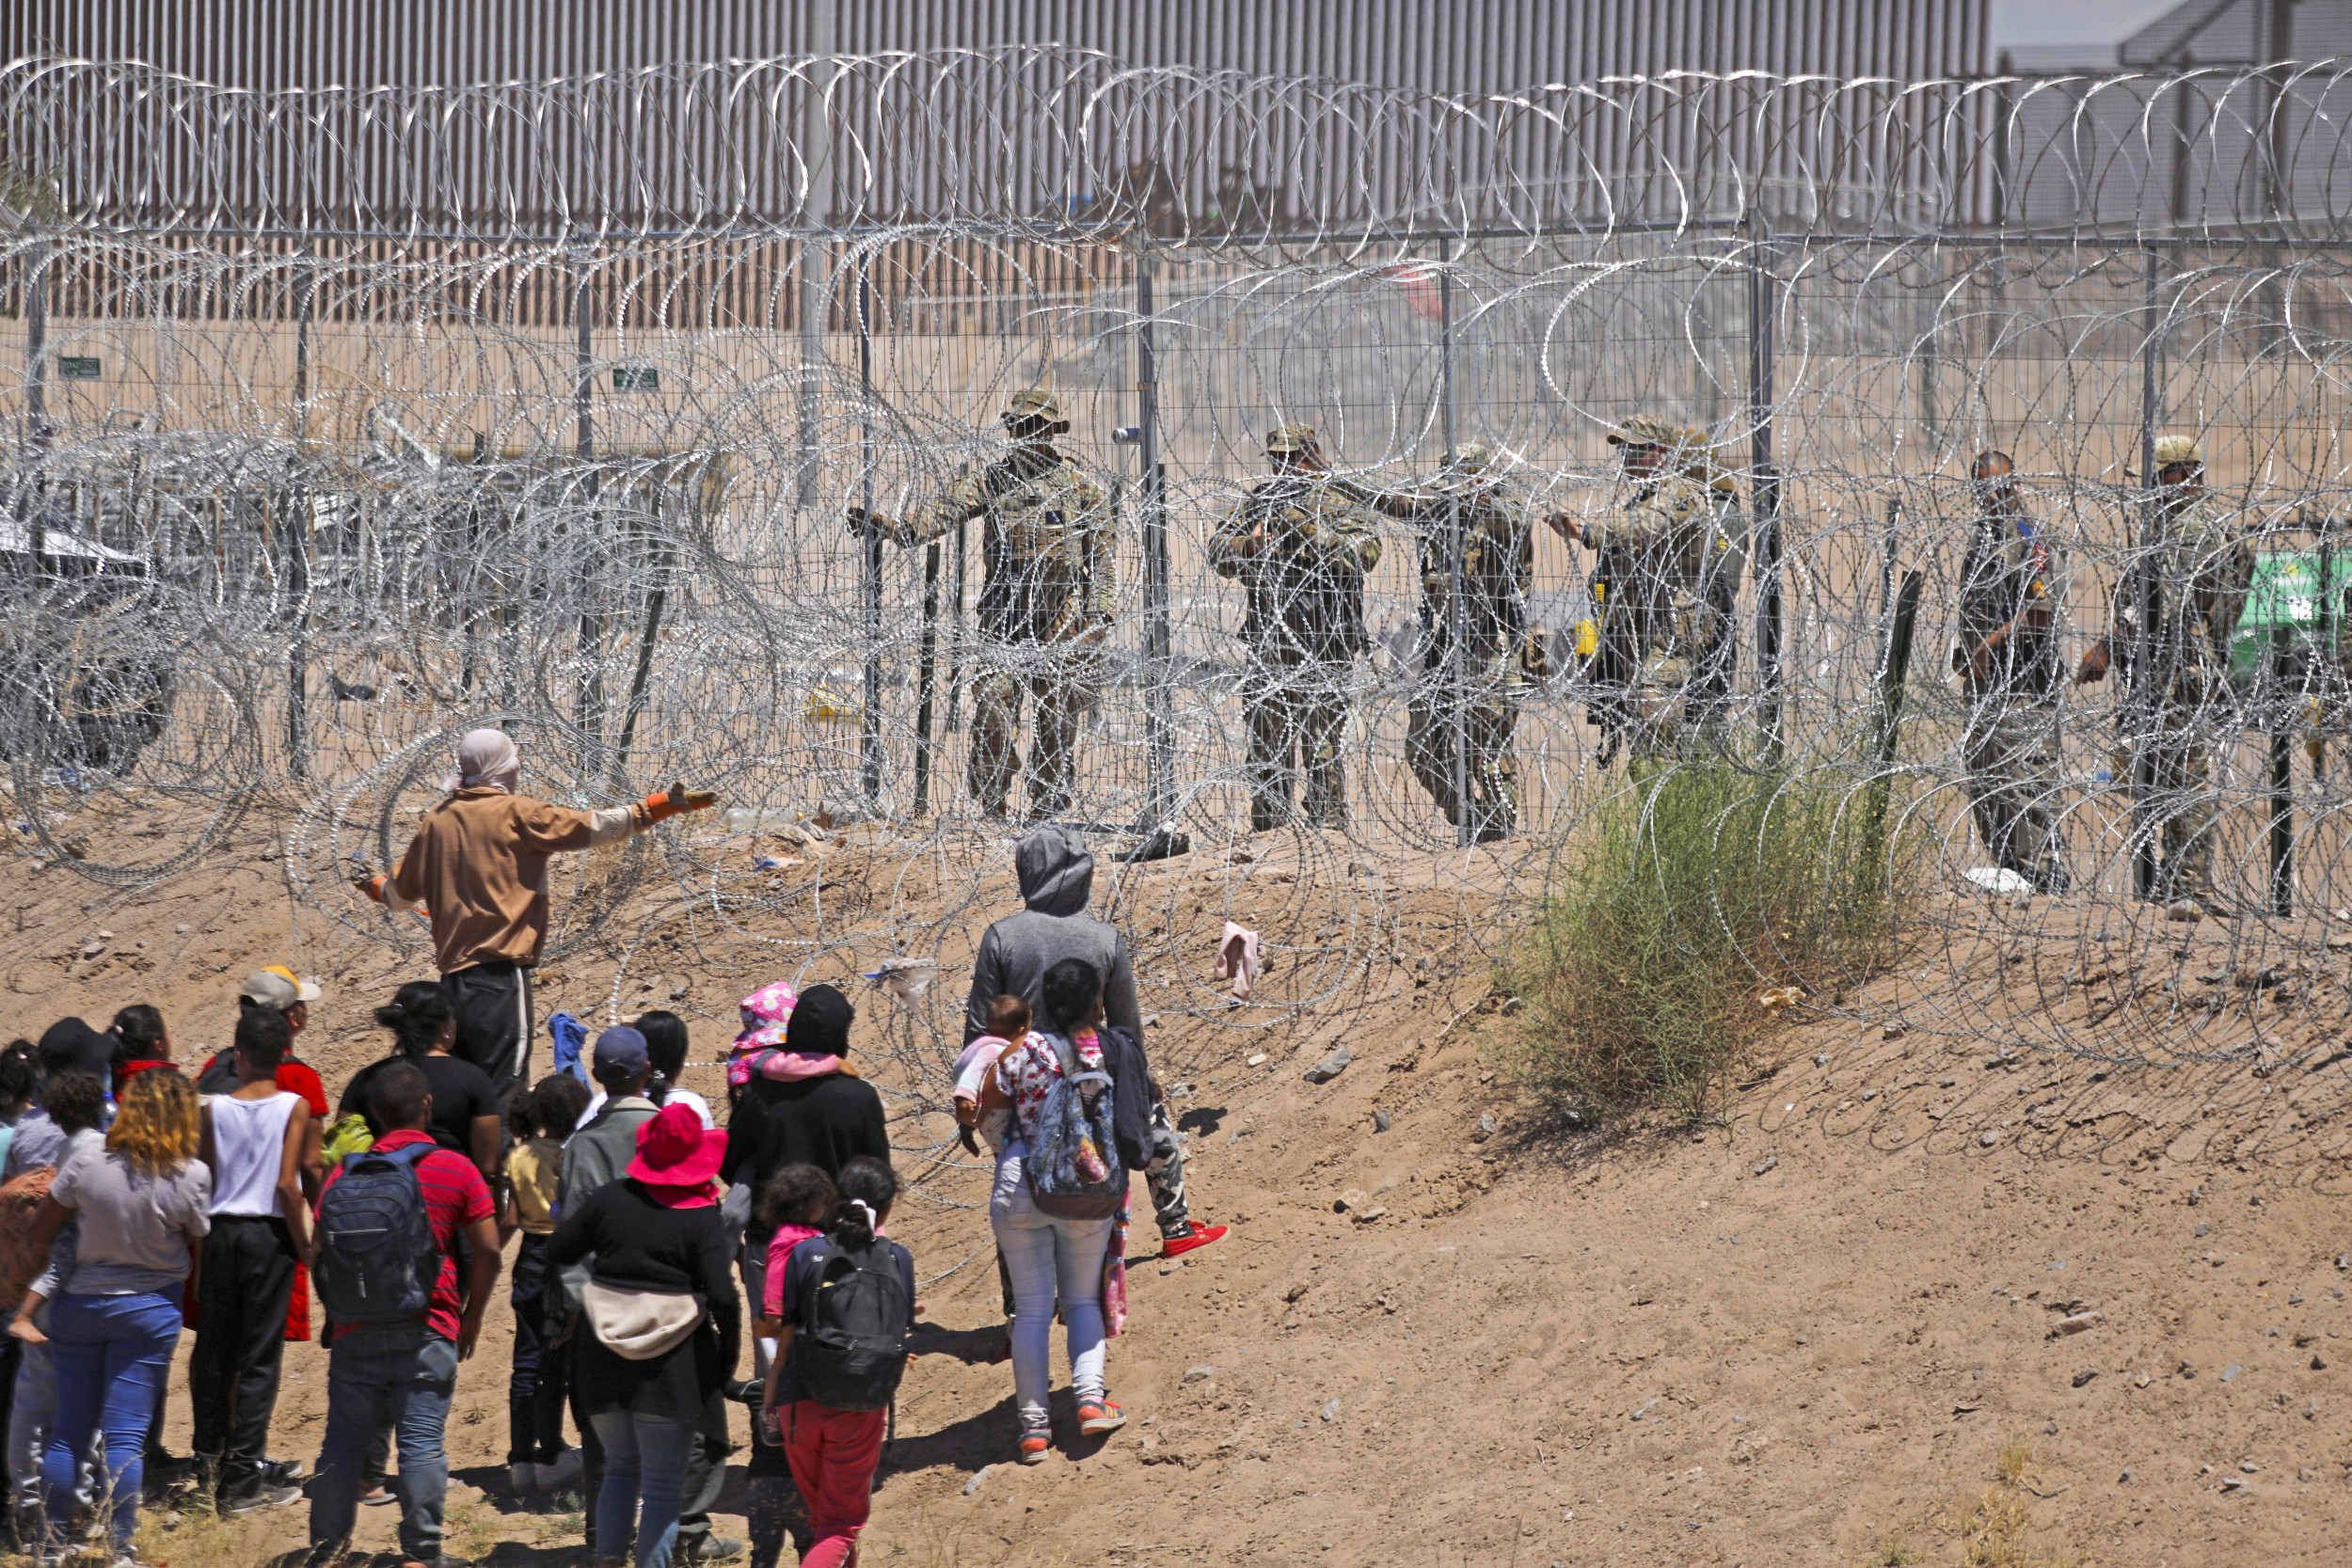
x,y
1796,1339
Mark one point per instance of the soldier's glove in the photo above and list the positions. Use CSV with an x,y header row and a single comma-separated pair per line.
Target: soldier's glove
x,y
676,801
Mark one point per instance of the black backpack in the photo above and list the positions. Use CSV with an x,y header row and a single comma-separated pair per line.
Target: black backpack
x,y
376,1262
851,1348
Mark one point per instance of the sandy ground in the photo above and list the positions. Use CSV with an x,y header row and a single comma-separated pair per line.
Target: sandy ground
x,y
1803,1336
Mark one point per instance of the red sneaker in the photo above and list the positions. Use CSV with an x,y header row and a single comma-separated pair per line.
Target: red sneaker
x,y
1096,1417
1191,1238
1036,1444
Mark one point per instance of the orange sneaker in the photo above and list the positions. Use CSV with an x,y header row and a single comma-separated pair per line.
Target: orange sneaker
x,y
1096,1417
1037,1443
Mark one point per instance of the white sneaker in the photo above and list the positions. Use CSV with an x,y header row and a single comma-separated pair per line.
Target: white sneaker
x,y
523,1477
565,1470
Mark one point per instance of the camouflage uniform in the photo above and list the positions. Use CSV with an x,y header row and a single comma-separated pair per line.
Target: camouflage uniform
x,y
1304,626
2011,744
1662,594
1497,552
2203,567
1051,577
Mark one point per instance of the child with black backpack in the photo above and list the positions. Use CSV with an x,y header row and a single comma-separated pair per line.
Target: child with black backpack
x,y
847,1300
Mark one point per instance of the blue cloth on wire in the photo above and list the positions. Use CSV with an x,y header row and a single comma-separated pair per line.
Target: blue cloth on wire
x,y
571,1045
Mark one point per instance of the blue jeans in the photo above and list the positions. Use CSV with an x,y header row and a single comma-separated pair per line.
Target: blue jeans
x,y
113,1350
401,1374
1053,1264
644,1456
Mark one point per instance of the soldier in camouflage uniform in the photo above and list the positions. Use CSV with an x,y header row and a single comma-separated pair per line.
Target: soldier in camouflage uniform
x,y
1498,654
1301,547
2007,654
1045,602
1662,589
2203,567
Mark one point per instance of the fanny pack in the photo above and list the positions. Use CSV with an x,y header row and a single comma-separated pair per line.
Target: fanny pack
x,y
638,1325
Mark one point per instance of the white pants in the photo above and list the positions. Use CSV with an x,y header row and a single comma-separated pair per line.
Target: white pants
x,y
1048,1260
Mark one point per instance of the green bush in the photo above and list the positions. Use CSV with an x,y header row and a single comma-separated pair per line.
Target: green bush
x,y
1676,902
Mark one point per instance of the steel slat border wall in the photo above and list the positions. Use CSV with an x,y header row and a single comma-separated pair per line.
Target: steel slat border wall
x,y
1463,47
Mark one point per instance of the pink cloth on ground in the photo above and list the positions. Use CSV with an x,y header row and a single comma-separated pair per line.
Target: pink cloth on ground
x,y
779,1254
1237,958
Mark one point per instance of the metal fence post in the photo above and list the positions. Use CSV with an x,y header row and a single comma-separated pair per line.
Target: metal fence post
x,y
1456,671
1766,487
589,708
295,541
1152,514
36,439
870,745
2138,711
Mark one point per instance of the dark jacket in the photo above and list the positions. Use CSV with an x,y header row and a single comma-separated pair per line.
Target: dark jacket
x,y
1057,878
1133,1094
825,1122
633,1244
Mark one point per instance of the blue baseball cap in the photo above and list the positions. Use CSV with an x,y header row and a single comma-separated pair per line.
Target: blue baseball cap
x,y
620,1053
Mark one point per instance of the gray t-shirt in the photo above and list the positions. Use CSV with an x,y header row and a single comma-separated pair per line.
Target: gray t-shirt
x,y
38,1142
136,1228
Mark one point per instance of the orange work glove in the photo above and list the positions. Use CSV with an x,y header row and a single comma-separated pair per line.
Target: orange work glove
x,y
676,801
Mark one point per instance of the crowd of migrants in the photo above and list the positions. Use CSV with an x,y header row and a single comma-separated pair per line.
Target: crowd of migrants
x,y
142,1194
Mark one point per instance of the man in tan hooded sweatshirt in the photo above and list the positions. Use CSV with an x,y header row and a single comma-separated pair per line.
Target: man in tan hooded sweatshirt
x,y
478,867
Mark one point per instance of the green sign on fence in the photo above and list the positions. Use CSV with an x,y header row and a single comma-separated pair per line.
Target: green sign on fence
x,y
636,378
77,367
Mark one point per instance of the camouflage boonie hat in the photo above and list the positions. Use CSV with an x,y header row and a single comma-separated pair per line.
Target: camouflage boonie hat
x,y
1035,404
1290,437
1645,430
2173,449
1471,458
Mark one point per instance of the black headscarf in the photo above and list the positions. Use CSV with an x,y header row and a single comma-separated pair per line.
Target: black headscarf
x,y
821,1023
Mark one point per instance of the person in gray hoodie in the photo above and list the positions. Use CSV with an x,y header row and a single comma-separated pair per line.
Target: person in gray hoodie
x,y
1056,875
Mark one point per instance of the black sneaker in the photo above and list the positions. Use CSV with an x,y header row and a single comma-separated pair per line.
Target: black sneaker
x,y
261,1495
280,1472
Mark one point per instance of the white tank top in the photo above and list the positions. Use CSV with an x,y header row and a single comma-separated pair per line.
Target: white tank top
x,y
248,1146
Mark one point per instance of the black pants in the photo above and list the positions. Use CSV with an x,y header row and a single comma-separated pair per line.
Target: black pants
x,y
492,1002
542,1376
706,1475
241,1298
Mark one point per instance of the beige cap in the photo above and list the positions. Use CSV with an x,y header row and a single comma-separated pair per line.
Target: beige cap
x,y
278,987
1290,437
1472,458
2173,449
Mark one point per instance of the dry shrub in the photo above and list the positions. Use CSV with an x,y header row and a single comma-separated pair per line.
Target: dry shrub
x,y
1680,897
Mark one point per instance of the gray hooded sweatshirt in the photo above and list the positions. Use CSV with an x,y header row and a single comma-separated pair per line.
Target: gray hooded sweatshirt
x,y
1056,877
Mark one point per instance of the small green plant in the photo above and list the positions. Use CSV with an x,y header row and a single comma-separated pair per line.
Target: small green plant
x,y
1895,1552
1681,898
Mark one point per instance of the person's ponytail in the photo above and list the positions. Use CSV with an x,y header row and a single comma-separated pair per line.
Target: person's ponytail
x,y
415,1016
868,1188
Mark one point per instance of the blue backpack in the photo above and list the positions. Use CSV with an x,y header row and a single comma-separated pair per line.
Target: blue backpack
x,y
378,1262
1074,1167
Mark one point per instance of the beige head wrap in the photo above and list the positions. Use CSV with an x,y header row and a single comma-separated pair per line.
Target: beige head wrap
x,y
486,759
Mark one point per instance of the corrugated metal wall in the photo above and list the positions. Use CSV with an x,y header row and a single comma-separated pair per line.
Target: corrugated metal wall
x,y
1442,46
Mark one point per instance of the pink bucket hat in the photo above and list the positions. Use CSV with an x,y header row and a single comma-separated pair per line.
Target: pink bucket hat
x,y
767,1013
